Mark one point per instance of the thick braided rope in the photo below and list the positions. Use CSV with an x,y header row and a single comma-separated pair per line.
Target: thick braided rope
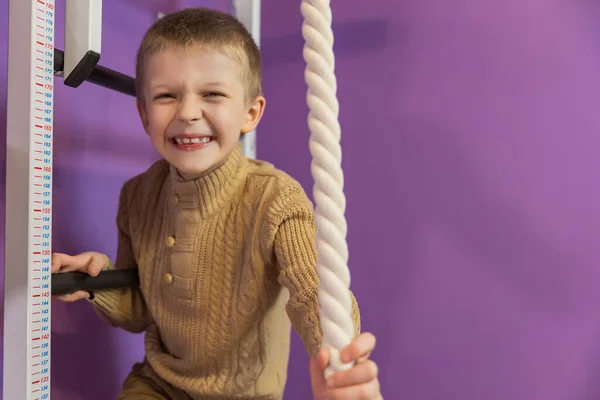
x,y
326,167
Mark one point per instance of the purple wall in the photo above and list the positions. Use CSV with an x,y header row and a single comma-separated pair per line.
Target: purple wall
x,y
470,139
469,134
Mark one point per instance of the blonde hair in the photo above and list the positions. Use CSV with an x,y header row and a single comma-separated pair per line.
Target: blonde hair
x,y
203,26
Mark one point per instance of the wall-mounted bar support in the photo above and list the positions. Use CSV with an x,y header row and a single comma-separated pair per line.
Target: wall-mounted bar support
x,y
100,75
83,40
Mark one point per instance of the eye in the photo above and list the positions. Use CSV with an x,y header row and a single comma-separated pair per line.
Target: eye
x,y
213,94
164,96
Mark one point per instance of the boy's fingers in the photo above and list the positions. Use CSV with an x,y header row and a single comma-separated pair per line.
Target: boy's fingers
x,y
89,262
370,391
69,298
357,375
360,347
97,263
57,261
66,263
317,366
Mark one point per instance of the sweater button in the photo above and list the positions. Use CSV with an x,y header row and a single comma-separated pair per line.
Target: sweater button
x,y
168,278
170,241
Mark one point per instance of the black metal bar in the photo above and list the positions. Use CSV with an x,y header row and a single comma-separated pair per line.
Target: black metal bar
x,y
101,76
70,282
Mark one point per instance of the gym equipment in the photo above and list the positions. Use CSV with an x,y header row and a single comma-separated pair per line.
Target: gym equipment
x,y
70,282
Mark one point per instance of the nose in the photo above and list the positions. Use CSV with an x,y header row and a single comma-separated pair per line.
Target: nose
x,y
189,110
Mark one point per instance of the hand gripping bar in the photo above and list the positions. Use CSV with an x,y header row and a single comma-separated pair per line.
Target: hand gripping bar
x,y
70,282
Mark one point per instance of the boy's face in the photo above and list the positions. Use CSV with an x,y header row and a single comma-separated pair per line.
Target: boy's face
x,y
194,107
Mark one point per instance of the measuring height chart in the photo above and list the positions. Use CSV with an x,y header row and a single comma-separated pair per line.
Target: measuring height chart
x,y
41,200
28,240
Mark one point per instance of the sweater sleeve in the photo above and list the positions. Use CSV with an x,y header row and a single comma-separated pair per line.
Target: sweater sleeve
x,y
124,307
296,257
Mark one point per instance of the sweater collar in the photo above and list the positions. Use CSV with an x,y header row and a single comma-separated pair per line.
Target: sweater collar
x,y
209,193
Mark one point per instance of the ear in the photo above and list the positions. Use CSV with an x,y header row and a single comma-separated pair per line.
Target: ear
x,y
254,114
142,113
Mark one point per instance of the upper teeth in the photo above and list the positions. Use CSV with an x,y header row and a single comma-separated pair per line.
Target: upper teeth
x,y
192,140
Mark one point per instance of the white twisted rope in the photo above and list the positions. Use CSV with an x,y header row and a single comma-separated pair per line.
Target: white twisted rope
x,y
326,167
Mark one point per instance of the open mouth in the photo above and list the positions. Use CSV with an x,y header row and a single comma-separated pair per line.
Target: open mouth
x,y
191,142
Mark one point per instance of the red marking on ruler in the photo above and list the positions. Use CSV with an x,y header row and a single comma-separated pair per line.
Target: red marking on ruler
x,y
38,151
36,295
38,126
40,10
39,76
39,59
37,252
37,227
40,18
40,168
39,109
41,2
40,51
38,142
39,26
36,338
38,92
39,84
35,330
39,34
37,287
35,382
40,68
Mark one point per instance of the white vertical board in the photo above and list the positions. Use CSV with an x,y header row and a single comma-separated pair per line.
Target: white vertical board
x,y
248,12
83,39
29,135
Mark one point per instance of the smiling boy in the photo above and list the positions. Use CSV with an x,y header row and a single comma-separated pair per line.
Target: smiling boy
x,y
224,245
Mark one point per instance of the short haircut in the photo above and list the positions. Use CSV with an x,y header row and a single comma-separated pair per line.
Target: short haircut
x,y
203,26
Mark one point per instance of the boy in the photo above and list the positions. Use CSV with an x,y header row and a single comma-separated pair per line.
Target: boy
x,y
216,237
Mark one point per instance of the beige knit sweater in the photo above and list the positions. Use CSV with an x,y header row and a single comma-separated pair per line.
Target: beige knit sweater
x,y
221,261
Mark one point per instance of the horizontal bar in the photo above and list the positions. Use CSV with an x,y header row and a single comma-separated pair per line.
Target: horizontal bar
x,y
70,282
101,76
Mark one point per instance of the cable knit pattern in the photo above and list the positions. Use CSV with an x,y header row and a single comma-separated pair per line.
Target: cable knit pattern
x,y
222,259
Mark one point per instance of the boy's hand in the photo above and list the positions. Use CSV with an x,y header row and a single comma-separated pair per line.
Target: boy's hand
x,y
358,383
90,262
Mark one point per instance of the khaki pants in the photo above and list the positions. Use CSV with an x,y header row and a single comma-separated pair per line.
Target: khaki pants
x,y
143,384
